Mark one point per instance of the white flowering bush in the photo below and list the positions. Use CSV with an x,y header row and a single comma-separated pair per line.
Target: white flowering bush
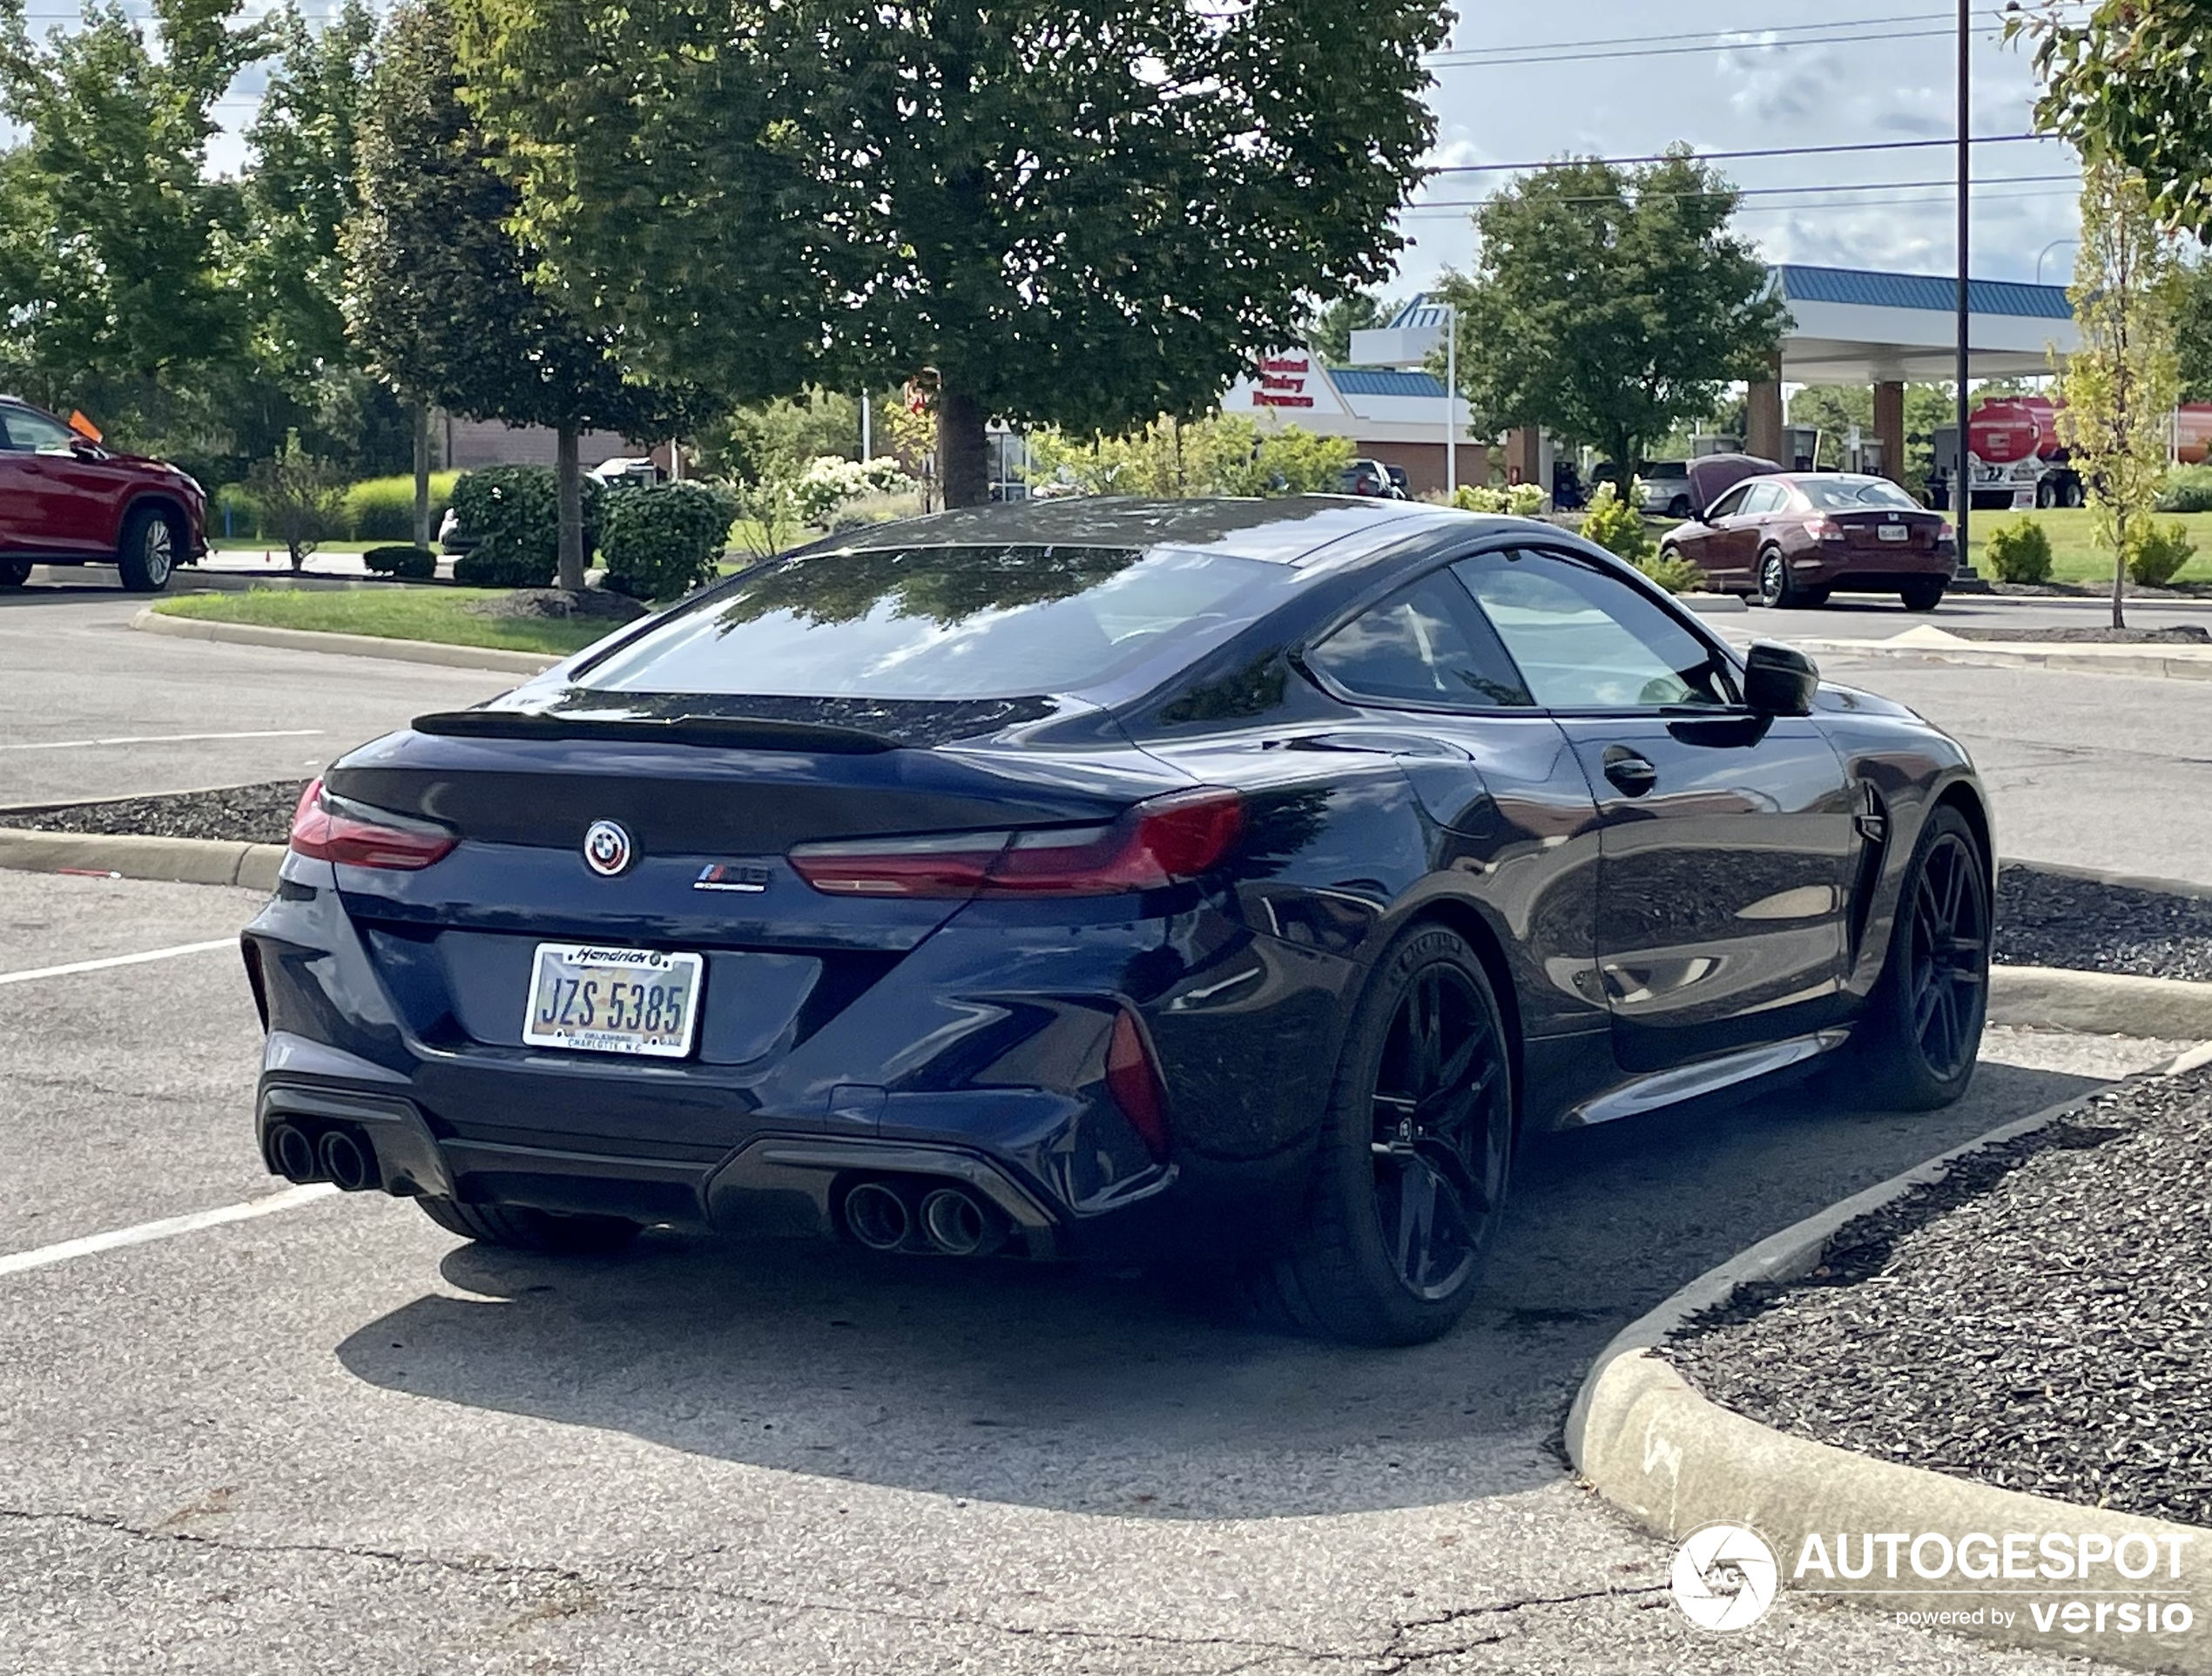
x,y
831,481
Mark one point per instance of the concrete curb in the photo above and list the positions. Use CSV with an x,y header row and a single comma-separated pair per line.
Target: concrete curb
x,y
1649,1443
2100,1003
180,861
353,646
2145,662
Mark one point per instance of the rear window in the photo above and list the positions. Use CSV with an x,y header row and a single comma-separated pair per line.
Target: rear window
x,y
1856,494
943,623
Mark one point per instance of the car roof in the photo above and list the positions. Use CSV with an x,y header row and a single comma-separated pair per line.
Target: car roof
x,y
1289,530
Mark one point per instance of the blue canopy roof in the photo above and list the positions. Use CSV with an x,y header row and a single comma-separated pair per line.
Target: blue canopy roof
x,y
1798,283
1381,381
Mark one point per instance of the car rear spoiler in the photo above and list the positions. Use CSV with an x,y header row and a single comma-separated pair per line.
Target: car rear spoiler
x,y
727,733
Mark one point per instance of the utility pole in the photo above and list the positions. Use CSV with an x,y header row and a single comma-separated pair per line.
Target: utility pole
x,y
1962,489
1451,399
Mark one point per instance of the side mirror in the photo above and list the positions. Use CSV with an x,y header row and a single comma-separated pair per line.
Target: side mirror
x,y
1779,680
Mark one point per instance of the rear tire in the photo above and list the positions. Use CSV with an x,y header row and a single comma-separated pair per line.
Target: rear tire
x,y
1917,1042
1416,1149
1813,598
152,537
14,572
519,1227
1777,591
1922,596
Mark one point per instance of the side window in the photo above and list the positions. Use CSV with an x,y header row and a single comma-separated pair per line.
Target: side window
x,y
1763,497
27,432
1728,505
1584,639
1424,644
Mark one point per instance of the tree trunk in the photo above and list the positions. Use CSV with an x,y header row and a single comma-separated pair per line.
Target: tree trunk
x,y
569,479
963,456
422,474
2119,580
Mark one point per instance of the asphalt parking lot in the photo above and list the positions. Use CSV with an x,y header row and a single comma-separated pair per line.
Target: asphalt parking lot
x,y
332,1437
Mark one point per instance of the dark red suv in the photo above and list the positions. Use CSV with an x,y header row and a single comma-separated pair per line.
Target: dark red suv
x,y
65,500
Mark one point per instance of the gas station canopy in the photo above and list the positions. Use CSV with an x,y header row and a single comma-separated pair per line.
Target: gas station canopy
x,y
1849,326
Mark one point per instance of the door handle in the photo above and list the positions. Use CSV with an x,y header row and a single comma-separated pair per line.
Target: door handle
x,y
1633,775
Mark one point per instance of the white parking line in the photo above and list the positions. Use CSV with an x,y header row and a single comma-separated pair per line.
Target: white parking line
x,y
290,1199
162,739
118,960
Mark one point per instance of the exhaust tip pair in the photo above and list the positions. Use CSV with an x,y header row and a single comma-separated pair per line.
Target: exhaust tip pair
x,y
340,1157
905,1216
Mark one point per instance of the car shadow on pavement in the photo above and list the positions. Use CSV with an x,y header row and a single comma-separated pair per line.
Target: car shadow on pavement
x,y
1059,1388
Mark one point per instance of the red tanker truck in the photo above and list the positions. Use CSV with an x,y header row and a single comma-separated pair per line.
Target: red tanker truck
x,y
2014,452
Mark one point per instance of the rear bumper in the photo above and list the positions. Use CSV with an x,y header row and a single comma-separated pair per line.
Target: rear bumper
x,y
976,1059
1871,572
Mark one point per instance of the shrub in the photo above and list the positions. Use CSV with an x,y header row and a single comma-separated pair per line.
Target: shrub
x,y
2188,489
663,542
2155,556
1526,500
2020,551
1673,573
513,513
298,496
382,509
1617,526
1476,498
408,563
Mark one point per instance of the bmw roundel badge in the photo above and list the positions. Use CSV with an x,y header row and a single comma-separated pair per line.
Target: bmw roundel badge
x,y
606,848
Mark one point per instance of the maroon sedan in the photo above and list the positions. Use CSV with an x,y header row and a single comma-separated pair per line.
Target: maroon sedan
x,y
66,499
1794,538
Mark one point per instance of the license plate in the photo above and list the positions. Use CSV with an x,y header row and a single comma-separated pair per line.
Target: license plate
x,y
1896,532
595,999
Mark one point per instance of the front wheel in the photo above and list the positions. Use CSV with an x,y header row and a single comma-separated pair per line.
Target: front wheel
x,y
1416,1147
1922,596
14,572
1776,588
519,1227
152,537
1922,1030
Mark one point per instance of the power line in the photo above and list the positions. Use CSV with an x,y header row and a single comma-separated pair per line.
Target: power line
x,y
1730,157
1455,211
1775,192
1487,63
1522,51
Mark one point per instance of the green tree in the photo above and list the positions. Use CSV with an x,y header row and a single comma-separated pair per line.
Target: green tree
x,y
2193,331
1330,332
2120,384
1607,305
442,302
1076,211
115,235
1170,458
299,496
2132,82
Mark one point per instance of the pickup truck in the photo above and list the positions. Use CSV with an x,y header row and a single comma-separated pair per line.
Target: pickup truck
x,y
66,499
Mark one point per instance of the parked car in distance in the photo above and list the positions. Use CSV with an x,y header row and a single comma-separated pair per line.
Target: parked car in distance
x,y
1400,484
66,499
624,473
1226,884
1793,538
1663,487
1370,480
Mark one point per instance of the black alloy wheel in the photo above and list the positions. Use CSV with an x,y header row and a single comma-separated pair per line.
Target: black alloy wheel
x,y
14,572
1923,1024
1775,589
1441,1137
1416,1151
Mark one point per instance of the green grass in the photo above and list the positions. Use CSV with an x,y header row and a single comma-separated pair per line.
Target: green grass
x,y
2074,555
257,544
398,614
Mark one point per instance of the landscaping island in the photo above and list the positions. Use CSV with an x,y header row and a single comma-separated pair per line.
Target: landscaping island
x,y
458,617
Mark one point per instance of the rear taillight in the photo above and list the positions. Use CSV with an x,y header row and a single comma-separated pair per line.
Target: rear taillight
x,y
1134,1081
330,829
1156,843
1945,532
1823,528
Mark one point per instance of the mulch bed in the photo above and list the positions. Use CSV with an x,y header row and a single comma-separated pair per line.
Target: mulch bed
x,y
253,814
2047,919
2041,1320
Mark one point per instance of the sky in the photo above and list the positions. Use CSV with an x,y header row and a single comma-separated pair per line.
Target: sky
x,y
1751,81
1519,84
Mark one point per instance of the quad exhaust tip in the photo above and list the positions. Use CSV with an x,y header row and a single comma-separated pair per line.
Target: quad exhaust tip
x,y
918,1215
877,1216
350,1166
293,1153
